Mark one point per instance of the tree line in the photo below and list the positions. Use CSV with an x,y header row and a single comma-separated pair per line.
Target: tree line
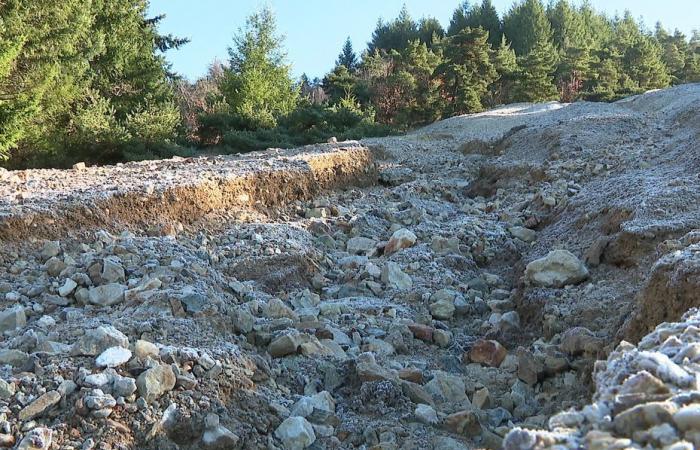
x,y
87,79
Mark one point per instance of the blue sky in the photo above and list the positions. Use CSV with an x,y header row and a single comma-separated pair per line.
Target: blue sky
x,y
315,30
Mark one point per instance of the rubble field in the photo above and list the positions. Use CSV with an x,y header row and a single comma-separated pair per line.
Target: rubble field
x,y
522,278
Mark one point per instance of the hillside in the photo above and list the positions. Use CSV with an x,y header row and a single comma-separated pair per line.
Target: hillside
x,y
440,290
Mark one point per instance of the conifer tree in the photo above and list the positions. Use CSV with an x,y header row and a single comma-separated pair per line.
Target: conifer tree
x,y
526,26
506,65
257,85
347,56
394,35
535,80
467,71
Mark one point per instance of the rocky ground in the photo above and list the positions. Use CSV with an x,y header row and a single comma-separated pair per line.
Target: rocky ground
x,y
457,287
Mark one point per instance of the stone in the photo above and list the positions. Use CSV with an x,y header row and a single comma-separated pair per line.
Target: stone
x,y
644,416
144,349
530,367
360,245
442,338
14,358
556,270
443,308
367,369
401,239
578,340
688,418
39,438
68,287
422,332
50,249
426,414
643,383
481,398
155,382
447,388
12,318
7,390
112,270
39,406
113,357
95,341
465,423
322,401
54,266
78,166
524,234
296,433
284,345
123,386
488,352
395,278
216,436
107,294
416,393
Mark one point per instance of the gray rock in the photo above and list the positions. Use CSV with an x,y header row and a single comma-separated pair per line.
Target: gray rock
x,y
360,245
395,278
558,269
98,340
14,358
524,234
68,287
112,270
12,318
107,294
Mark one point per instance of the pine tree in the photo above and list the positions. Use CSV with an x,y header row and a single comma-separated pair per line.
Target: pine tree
x,y
467,71
608,76
535,80
474,16
506,65
526,26
257,84
394,35
347,56
339,84
430,32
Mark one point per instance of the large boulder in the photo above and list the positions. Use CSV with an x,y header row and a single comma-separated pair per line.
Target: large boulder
x,y
558,269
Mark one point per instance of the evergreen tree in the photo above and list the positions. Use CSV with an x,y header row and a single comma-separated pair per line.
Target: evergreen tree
x,y
257,84
339,84
535,80
475,16
526,26
506,65
394,35
609,79
347,56
430,32
467,70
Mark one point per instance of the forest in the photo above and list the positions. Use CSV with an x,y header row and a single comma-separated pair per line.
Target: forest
x,y
88,80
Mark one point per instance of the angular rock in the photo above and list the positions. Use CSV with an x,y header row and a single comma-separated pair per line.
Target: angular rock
x,y
107,294
360,245
37,439
94,342
155,382
395,278
113,357
12,318
296,433
39,406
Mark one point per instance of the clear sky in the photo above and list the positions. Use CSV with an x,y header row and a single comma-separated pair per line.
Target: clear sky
x,y
315,30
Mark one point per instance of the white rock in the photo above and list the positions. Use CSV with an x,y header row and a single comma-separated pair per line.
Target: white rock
x,y
67,288
401,239
296,433
113,357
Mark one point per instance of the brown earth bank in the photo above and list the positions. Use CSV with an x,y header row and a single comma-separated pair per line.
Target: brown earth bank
x,y
445,289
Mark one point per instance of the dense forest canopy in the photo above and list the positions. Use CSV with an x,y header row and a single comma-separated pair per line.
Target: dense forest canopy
x,y
87,79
